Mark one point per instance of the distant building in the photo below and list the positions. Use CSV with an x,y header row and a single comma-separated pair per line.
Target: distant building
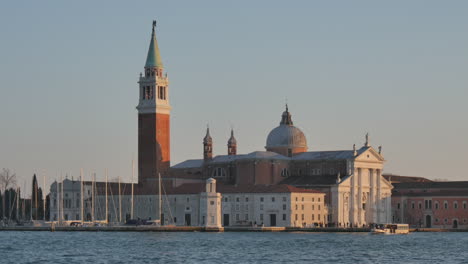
x,y
248,205
425,203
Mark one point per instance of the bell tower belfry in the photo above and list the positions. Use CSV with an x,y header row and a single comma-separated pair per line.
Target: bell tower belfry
x,y
153,117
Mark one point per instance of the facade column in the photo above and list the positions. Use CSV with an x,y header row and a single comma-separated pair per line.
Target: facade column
x,y
378,196
359,197
352,199
373,189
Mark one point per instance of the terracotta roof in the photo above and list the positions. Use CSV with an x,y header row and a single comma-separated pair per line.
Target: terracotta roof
x,y
195,188
432,185
449,193
397,178
311,181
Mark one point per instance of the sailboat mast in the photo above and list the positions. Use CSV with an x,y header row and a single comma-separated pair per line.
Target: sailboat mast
x,y
160,201
92,198
58,200
31,207
17,203
133,174
61,199
81,196
107,207
120,204
44,197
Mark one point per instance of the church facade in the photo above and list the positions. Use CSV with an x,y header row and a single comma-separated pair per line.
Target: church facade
x,y
354,191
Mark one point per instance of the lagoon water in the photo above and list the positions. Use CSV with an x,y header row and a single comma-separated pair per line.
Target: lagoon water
x,y
242,247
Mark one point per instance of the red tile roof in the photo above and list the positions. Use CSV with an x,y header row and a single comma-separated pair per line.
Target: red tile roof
x,y
195,188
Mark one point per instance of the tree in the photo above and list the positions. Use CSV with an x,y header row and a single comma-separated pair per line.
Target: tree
x,y
7,180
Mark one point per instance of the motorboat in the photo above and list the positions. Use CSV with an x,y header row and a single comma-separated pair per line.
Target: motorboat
x,y
390,229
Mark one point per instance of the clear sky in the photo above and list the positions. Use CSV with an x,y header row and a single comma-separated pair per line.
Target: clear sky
x,y
395,69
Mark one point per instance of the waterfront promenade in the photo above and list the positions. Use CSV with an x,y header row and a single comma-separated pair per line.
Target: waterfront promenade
x,y
148,228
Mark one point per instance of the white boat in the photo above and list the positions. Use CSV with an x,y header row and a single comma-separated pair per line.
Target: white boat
x,y
390,229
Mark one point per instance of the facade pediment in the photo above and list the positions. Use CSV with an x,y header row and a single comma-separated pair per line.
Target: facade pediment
x,y
370,155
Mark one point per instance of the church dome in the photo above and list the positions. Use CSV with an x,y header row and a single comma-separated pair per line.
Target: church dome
x,y
286,139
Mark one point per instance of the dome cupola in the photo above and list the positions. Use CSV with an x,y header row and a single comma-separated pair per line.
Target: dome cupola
x,y
286,139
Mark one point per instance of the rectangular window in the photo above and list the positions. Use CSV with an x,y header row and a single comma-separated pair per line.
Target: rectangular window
x,y
246,199
313,217
398,206
237,207
302,217
313,199
261,207
261,199
77,217
246,216
272,199
237,199
261,217
284,217
295,217
319,207
284,207
412,205
313,207
318,217
284,199
296,206
237,217
302,207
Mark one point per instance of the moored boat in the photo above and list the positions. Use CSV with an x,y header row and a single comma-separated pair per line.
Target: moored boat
x,y
390,229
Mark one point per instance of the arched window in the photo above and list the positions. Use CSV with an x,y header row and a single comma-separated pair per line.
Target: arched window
x,y
455,205
219,172
436,205
445,205
285,172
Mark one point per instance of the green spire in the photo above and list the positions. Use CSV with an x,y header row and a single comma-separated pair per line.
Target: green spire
x,y
154,58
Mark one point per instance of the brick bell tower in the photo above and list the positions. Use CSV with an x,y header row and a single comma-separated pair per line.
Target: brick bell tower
x,y
153,118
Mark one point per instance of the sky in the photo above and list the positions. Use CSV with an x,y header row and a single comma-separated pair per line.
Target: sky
x,y
395,69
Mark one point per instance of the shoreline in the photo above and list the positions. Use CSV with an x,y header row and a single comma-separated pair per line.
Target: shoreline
x,y
206,229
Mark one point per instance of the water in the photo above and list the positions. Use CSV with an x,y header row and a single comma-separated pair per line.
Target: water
x,y
150,247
